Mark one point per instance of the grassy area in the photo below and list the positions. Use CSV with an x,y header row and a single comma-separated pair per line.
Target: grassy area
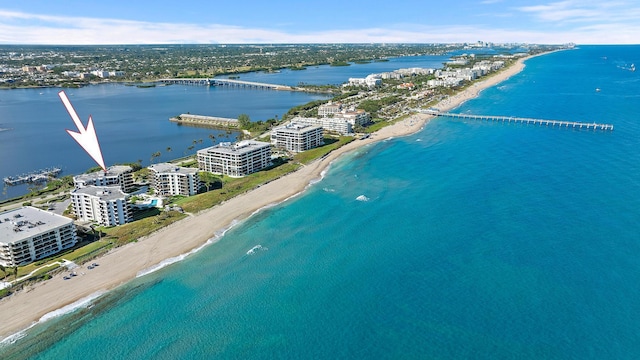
x,y
74,255
330,144
233,187
377,126
123,234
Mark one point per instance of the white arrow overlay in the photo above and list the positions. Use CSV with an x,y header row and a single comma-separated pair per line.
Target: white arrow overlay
x,y
85,137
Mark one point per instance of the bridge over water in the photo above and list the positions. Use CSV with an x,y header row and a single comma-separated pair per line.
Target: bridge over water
x,y
511,119
226,82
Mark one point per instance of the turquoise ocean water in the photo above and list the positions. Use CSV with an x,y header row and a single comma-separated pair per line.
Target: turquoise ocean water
x,y
465,240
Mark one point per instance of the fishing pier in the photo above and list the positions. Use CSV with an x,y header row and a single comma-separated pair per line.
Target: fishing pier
x,y
520,120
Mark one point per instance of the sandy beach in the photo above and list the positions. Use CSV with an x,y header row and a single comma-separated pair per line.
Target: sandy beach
x,y
120,265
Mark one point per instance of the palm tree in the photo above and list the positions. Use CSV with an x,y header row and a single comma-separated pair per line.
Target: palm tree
x,y
4,271
15,272
155,155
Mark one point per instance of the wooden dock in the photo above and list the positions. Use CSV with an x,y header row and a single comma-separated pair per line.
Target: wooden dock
x,y
520,120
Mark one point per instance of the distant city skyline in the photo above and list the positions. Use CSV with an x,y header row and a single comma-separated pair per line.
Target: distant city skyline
x,y
76,22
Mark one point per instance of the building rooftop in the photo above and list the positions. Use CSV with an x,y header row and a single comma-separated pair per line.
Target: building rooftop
x,y
105,193
163,168
235,148
298,127
112,171
26,222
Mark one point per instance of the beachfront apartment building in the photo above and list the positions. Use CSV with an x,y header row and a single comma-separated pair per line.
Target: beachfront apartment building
x,y
106,205
28,234
335,124
297,137
117,175
169,180
357,117
329,109
235,159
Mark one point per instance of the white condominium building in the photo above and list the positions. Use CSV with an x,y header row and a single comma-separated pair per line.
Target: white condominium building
x,y
329,108
28,234
297,137
235,160
357,117
106,205
169,179
336,124
117,175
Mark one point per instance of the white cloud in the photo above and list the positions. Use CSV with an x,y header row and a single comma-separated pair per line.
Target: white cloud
x,y
26,28
571,11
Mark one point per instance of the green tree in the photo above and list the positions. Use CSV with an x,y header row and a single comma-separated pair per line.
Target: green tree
x,y
155,155
244,121
4,271
208,179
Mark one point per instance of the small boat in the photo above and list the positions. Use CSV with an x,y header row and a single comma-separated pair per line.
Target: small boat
x,y
633,67
597,89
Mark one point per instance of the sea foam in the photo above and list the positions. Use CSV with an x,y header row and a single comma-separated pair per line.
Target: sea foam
x,y
181,257
82,303
256,248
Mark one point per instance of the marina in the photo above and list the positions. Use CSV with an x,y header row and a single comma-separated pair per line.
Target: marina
x,y
33,177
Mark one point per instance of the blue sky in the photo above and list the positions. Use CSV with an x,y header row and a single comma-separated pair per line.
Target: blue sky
x,y
328,21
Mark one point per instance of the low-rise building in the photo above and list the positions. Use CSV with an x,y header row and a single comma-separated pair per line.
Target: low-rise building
x,y
235,160
28,234
169,180
297,137
106,205
117,175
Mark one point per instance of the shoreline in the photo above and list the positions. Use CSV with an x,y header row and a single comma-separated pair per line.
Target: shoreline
x,y
23,309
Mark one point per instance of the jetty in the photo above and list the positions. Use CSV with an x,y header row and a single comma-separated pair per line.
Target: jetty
x,y
226,82
201,120
521,120
33,177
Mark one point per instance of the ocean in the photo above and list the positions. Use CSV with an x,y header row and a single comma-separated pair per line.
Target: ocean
x,y
468,239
